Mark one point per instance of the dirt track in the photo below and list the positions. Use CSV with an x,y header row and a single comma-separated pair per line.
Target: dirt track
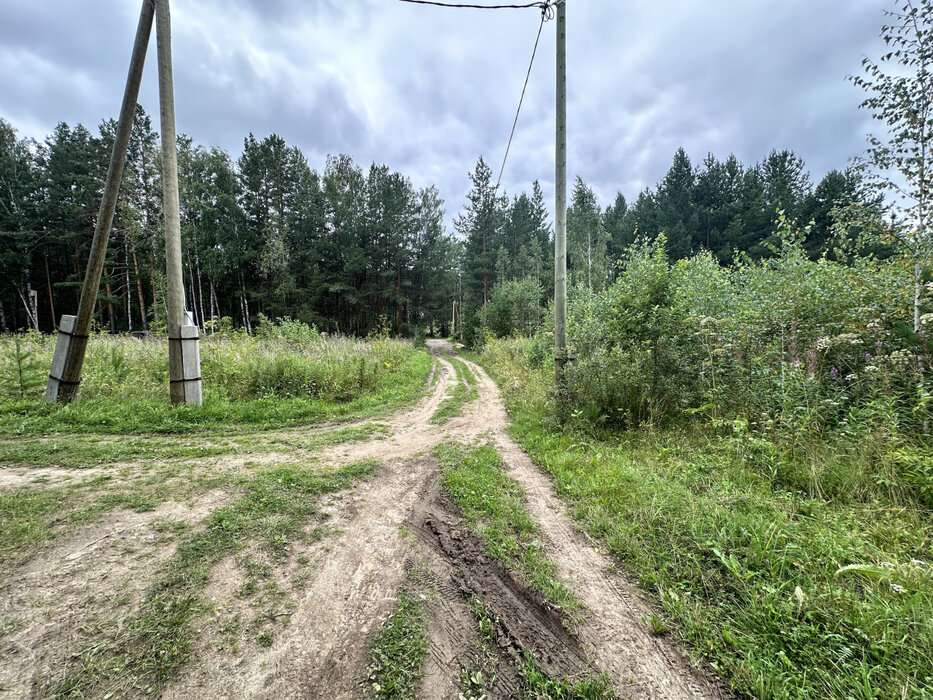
x,y
380,532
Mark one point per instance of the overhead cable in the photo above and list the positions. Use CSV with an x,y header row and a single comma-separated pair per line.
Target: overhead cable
x,y
539,5
547,14
521,100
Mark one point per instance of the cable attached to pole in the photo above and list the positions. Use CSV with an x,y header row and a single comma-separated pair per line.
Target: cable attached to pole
x,y
540,5
546,12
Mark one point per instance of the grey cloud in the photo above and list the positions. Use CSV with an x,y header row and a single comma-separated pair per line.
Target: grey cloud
x,y
427,90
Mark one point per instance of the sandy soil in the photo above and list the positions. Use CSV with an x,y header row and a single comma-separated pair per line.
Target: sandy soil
x,y
97,575
395,529
358,571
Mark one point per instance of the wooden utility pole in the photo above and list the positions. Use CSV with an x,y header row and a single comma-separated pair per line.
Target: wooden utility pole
x,y
184,362
71,347
560,205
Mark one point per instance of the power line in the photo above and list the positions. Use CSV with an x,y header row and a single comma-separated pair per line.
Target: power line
x,y
539,5
547,14
534,52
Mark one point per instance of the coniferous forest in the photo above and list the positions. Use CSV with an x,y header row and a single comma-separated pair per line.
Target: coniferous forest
x,y
349,249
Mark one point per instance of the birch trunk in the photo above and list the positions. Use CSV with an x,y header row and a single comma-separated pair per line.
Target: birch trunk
x,y
111,323
139,290
128,289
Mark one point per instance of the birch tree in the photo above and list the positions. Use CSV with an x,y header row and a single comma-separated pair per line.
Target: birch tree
x,y
900,161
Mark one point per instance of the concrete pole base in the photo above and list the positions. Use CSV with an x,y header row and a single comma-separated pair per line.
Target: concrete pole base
x,y
184,361
60,387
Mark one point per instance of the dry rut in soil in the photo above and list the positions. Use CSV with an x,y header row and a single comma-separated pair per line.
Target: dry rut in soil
x,y
358,571
96,576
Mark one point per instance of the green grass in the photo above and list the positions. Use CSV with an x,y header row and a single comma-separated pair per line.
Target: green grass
x,y
452,406
147,651
493,506
32,516
537,685
397,652
249,384
300,440
82,451
750,571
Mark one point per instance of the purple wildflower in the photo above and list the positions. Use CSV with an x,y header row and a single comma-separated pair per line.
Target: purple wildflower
x,y
834,373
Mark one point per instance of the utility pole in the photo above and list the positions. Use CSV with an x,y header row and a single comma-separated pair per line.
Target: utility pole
x,y
71,346
560,206
184,361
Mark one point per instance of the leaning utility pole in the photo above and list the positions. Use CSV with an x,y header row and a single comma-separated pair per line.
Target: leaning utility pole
x,y
184,353
184,361
71,346
560,205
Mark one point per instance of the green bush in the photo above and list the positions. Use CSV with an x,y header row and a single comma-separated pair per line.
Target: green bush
x,y
785,344
514,308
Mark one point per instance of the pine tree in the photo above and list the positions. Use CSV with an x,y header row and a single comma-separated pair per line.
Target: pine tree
x,y
677,217
480,223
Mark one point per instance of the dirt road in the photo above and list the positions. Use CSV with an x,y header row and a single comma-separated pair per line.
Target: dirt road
x,y
391,529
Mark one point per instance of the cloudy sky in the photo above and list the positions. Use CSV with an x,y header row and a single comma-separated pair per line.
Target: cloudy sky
x,y
428,90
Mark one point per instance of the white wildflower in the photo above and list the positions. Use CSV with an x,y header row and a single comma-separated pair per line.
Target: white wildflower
x,y
897,588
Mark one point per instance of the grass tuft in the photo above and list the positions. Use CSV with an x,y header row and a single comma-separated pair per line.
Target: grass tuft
x,y
397,652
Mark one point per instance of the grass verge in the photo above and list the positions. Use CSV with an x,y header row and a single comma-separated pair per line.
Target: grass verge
x,y
145,654
787,595
462,394
492,505
397,652
250,384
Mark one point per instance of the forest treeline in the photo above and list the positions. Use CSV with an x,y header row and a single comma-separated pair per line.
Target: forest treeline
x,y
350,249
345,249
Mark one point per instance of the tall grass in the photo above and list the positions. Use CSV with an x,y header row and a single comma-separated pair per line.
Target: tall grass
x,y
797,566
286,375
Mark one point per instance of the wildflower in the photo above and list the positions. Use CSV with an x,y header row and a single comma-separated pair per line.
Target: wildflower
x,y
897,588
867,355
834,373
